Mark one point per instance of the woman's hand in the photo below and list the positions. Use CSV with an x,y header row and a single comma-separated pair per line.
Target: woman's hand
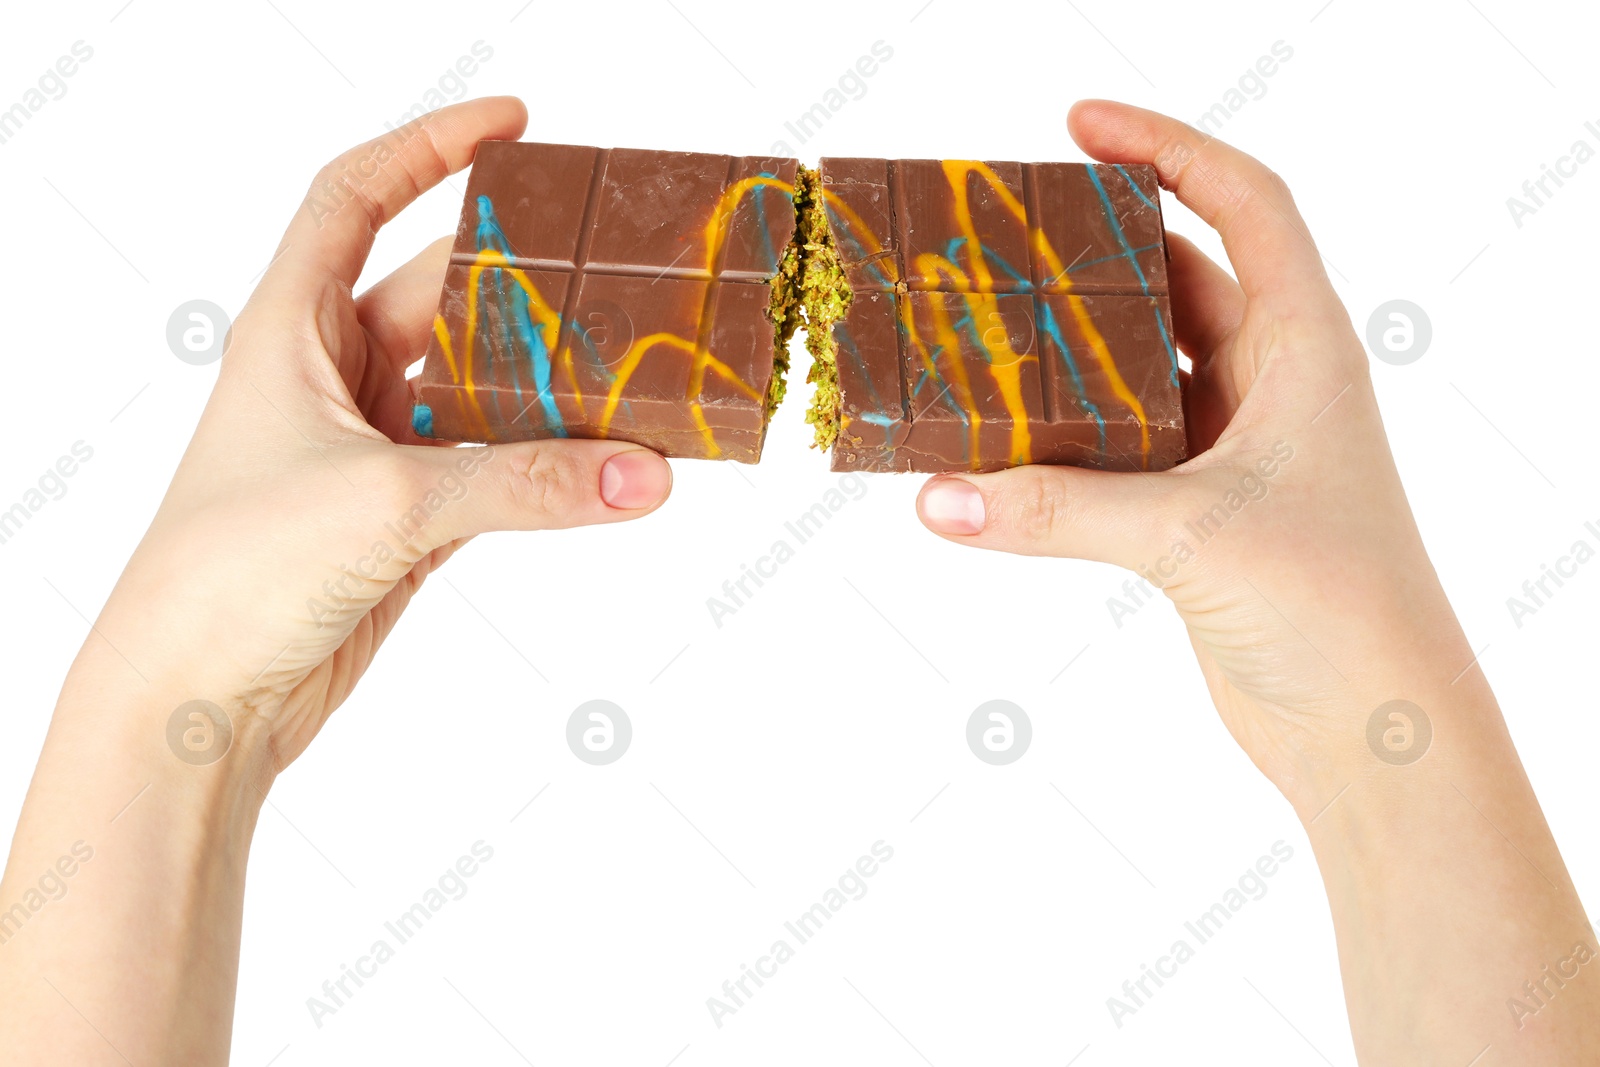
x,y
306,513
302,519
1288,547
1285,541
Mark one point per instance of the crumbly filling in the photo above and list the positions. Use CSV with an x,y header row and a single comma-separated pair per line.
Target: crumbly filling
x,y
810,289
787,315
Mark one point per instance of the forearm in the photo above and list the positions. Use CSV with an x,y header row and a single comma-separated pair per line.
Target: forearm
x,y
125,883
1458,926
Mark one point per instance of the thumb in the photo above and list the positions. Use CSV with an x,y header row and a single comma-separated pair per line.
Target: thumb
x,y
537,485
1044,510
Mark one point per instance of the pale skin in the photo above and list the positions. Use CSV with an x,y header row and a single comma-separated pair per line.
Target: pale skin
x,y
1316,605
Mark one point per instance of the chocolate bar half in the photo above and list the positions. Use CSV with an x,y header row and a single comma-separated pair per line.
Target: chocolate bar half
x,y
613,293
994,314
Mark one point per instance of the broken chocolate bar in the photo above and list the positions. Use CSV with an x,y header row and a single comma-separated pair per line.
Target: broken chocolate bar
x,y
992,314
960,315
614,293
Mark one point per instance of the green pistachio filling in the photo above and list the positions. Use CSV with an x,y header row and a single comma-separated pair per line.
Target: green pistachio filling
x,y
810,288
787,315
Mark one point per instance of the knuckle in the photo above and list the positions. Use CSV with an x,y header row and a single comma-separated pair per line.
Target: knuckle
x,y
333,177
328,172
1173,159
1275,187
434,166
1235,195
346,180
400,496
551,481
1039,507
406,491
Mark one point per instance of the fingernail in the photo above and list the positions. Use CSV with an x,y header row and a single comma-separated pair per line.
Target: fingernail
x,y
952,506
631,480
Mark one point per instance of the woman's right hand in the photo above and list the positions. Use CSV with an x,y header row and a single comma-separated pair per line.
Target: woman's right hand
x,y
1286,541
1288,547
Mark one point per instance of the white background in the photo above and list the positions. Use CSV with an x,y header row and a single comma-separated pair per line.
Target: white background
x,y
770,753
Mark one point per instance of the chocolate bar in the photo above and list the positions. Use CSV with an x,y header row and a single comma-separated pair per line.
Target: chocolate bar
x,y
994,314
614,293
960,315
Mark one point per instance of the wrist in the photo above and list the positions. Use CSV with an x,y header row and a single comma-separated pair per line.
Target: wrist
x,y
207,756
145,849
1401,692
1409,749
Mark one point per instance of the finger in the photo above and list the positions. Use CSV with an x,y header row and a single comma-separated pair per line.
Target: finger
x,y
1044,510
1268,244
398,311
396,315
1207,308
332,232
535,485
1207,304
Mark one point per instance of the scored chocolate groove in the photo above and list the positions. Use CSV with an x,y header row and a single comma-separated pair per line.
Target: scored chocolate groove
x,y
985,314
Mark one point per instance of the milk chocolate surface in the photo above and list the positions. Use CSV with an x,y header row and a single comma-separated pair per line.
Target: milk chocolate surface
x,y
617,293
1001,314
965,315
